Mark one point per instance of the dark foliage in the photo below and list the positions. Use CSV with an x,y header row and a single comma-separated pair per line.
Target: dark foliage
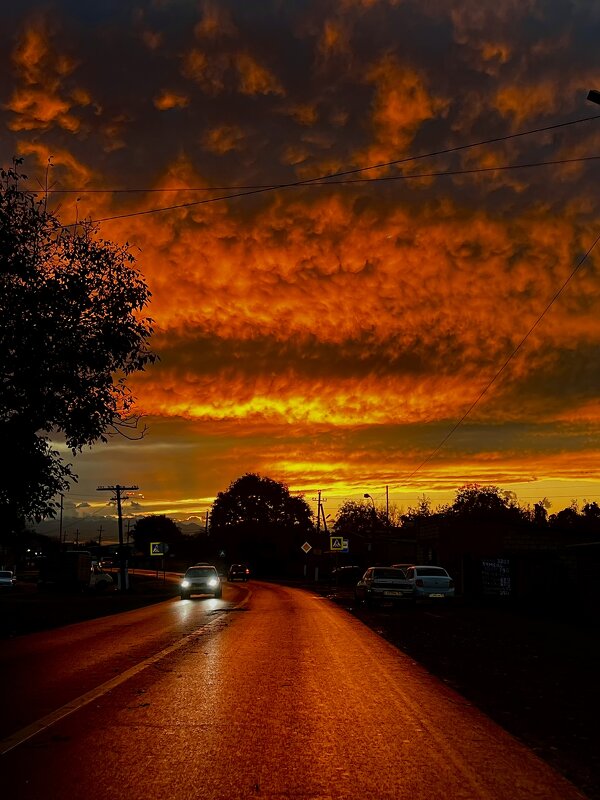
x,y
70,333
256,520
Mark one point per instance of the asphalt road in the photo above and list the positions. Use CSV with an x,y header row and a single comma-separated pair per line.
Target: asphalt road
x,y
270,692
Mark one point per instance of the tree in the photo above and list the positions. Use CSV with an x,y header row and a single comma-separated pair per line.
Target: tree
x,y
418,513
257,520
358,519
473,500
155,528
71,331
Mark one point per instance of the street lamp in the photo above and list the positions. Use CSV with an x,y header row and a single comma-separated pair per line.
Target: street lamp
x,y
594,96
368,497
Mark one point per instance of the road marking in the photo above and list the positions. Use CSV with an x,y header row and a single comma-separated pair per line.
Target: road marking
x,y
15,739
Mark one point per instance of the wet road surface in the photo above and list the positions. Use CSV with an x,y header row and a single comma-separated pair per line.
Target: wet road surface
x,y
284,696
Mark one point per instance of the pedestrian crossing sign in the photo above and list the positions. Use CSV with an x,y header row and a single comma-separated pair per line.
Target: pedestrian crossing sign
x,y
336,543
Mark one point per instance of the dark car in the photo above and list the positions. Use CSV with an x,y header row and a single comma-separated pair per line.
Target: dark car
x,y
201,579
238,572
347,575
7,579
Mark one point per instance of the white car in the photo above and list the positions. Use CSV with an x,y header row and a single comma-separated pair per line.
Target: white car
x,y
430,583
201,579
382,584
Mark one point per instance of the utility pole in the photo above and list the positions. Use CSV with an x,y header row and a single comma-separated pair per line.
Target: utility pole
x,y
60,530
387,503
320,510
99,540
206,523
118,489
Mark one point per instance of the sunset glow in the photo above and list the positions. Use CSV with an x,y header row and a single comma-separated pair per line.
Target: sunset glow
x,y
332,336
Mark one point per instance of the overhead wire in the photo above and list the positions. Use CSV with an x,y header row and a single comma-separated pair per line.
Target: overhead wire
x,y
323,182
328,179
319,180
507,361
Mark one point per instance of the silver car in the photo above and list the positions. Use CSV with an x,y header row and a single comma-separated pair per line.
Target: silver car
x,y
430,583
201,579
382,584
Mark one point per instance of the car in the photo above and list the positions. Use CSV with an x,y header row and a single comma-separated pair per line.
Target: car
x,y
403,567
347,575
201,579
7,579
382,584
430,583
238,572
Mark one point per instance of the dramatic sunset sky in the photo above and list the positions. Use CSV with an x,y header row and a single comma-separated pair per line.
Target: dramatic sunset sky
x,y
333,336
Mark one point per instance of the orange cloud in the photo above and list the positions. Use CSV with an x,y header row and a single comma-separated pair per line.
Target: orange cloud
x,y
402,102
216,21
527,101
209,73
223,139
167,100
41,101
254,78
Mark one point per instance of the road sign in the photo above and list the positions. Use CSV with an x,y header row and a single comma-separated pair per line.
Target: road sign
x,y
345,547
336,543
157,548
306,547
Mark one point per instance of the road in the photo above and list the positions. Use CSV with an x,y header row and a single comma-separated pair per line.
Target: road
x,y
271,692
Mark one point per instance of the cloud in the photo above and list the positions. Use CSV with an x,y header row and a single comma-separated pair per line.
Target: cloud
x,y
41,97
167,100
223,139
255,78
308,319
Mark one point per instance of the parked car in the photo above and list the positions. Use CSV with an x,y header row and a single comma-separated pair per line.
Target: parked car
x,y
347,575
430,583
382,583
403,567
7,579
238,572
201,579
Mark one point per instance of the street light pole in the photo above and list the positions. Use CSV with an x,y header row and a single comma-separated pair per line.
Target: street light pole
x,y
368,497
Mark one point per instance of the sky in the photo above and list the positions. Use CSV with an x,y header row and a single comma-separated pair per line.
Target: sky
x,y
383,330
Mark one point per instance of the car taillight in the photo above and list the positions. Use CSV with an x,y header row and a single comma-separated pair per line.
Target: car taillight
x,y
419,582
247,572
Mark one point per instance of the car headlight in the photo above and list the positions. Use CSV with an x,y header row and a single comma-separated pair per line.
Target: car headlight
x,y
213,582
185,584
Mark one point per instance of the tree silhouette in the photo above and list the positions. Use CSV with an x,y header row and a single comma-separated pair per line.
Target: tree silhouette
x,y
359,519
473,500
155,528
257,520
70,334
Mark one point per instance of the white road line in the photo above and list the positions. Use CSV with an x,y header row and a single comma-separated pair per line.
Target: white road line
x,y
8,744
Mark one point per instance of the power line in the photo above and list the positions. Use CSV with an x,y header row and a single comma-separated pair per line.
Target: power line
x,y
318,179
508,360
323,182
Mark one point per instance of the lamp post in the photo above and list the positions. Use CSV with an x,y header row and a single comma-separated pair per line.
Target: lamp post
x,y
370,543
